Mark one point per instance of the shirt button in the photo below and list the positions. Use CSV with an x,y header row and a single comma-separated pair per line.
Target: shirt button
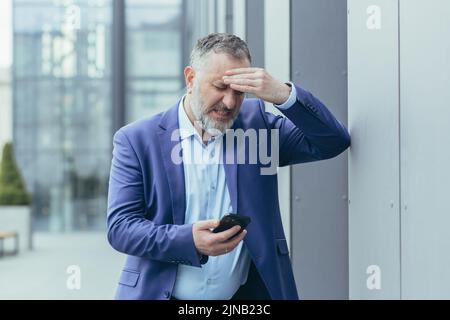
x,y
208,281
213,187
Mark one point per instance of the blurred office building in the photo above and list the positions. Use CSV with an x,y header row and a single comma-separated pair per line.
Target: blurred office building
x,y
81,70
65,77
5,106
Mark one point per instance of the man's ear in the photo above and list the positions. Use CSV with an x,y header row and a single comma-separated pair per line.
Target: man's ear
x,y
189,75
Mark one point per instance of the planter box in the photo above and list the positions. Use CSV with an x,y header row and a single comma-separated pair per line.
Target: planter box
x,y
17,218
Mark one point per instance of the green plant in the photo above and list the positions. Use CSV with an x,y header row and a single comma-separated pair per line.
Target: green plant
x,y
12,187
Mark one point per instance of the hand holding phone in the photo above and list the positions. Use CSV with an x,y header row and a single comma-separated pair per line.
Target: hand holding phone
x,y
231,220
215,243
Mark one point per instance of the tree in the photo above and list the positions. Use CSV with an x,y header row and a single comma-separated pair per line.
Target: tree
x,y
12,187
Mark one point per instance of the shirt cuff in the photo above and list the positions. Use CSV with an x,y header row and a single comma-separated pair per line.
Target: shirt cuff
x,y
291,100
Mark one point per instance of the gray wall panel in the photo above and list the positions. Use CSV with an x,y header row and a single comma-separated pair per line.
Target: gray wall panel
x,y
319,190
255,31
374,227
425,152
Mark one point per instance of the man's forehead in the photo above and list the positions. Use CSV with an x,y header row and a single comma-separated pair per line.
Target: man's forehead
x,y
219,64
215,76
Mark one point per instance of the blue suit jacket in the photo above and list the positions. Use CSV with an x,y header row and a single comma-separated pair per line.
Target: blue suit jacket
x,y
146,200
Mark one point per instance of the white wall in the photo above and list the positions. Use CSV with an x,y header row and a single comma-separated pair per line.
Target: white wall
x,y
424,146
277,60
399,115
239,14
374,203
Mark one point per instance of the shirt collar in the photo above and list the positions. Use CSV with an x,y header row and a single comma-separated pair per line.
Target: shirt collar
x,y
187,129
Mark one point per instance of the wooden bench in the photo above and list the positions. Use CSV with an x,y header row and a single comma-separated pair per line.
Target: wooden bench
x,y
9,234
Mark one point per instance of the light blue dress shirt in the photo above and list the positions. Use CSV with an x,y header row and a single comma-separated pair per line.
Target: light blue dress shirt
x,y
207,197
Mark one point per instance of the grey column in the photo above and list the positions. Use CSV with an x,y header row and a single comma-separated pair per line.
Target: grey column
x,y
118,64
255,30
319,190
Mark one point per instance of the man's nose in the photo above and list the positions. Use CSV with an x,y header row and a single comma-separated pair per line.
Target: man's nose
x,y
230,100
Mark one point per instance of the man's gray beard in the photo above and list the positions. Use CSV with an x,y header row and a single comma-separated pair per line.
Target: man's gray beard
x,y
213,128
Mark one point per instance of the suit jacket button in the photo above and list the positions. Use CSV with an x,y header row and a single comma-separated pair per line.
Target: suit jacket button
x,y
167,294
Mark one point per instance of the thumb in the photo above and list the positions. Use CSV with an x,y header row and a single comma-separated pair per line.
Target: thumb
x,y
207,224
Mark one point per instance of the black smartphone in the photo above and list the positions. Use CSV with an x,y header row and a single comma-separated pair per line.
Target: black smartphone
x,y
231,220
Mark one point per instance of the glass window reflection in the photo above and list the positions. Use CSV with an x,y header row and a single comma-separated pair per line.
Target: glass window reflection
x,y
62,109
154,56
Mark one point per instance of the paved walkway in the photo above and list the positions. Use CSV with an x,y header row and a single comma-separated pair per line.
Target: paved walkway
x,y
42,273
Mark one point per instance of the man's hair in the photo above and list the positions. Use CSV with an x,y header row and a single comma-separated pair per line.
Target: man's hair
x,y
219,43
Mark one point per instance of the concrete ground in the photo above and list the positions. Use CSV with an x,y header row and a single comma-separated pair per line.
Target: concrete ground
x,y
62,267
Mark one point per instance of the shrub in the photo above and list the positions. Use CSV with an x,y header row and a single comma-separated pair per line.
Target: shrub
x,y
12,187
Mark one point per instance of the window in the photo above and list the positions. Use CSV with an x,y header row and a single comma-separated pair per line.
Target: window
x,y
62,109
154,33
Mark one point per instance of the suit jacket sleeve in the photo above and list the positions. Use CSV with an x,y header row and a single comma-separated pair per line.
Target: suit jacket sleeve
x,y
128,230
309,132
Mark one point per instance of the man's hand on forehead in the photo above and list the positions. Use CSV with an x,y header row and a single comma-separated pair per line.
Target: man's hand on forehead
x,y
258,82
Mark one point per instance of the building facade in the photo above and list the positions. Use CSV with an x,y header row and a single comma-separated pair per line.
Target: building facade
x,y
81,70
5,107
62,109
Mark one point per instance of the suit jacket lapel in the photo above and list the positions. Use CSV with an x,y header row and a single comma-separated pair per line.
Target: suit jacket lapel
x,y
231,167
170,141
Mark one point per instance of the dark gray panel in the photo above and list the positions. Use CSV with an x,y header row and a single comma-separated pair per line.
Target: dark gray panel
x,y
118,64
255,31
229,16
319,190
